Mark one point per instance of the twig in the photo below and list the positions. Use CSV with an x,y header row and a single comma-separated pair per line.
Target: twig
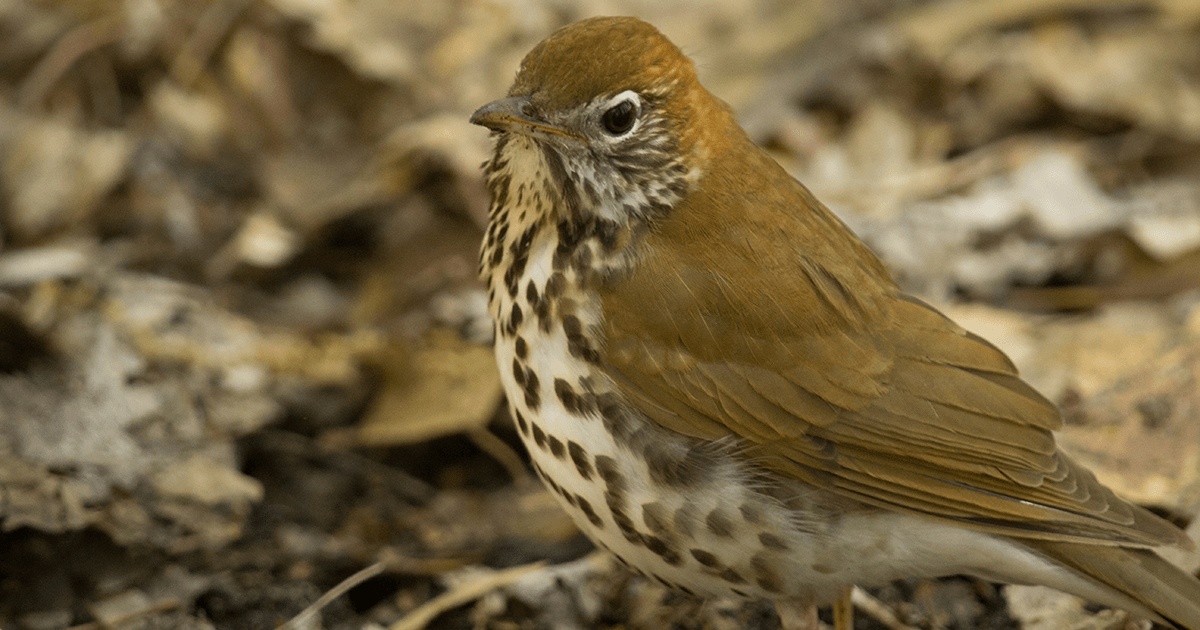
x,y
398,563
78,42
500,451
203,41
461,594
877,610
159,606
301,620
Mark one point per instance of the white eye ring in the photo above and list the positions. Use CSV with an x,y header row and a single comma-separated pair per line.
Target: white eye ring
x,y
620,113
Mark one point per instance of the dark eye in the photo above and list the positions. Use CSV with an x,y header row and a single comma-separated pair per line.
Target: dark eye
x,y
619,118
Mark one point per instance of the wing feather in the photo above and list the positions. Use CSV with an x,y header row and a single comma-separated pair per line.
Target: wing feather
x,y
777,327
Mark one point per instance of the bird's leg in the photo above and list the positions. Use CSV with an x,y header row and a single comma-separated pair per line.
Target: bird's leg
x,y
794,615
843,610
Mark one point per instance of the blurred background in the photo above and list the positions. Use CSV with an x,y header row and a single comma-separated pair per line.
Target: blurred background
x,y
244,354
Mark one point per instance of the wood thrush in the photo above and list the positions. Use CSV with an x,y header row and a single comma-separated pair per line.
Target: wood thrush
x,y
725,388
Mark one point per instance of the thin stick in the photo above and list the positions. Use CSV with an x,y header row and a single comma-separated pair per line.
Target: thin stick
x,y
461,594
162,606
877,610
78,42
500,451
301,620
200,45
843,610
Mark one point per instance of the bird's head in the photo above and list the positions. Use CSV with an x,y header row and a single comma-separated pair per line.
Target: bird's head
x,y
617,112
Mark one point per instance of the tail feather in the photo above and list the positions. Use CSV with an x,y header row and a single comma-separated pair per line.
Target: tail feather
x,y
1135,575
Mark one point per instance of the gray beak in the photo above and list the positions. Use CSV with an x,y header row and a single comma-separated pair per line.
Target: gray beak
x,y
515,114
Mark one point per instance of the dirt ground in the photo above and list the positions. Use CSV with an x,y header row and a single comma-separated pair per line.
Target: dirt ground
x,y
245,367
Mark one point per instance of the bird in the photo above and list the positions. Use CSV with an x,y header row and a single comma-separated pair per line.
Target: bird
x,y
725,387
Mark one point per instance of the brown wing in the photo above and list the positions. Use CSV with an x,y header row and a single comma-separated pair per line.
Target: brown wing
x,y
776,325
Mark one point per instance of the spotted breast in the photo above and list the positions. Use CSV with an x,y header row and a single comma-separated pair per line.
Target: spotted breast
x,y
671,507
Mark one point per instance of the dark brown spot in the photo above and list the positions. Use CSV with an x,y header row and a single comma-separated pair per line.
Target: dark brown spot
x,y
764,575
677,468
717,521
617,419
542,310
531,293
496,164
566,395
687,591
518,373
607,232
705,558
521,422
520,252
572,325
515,318
660,547
685,520
729,575
512,275
521,348
653,515
771,541
499,189
557,449
570,233
751,513
587,404
624,523
579,456
539,436
582,259
577,344
546,479
555,286
613,479
533,396
590,513
520,247
570,499
655,544
582,349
